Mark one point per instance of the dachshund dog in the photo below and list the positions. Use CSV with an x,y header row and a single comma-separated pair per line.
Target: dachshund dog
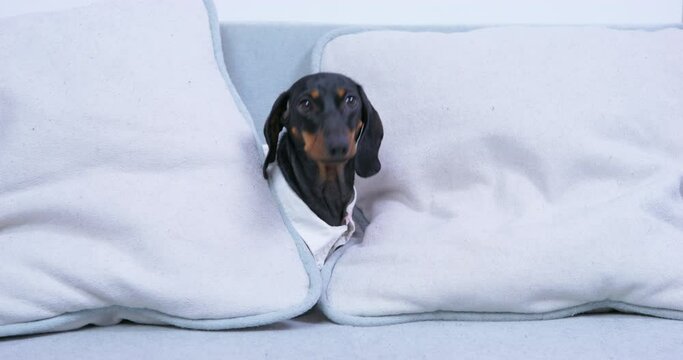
x,y
332,133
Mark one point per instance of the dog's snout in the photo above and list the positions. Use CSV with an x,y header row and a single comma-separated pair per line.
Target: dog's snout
x,y
337,147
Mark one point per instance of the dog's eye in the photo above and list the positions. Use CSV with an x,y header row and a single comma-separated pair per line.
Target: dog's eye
x,y
351,100
305,105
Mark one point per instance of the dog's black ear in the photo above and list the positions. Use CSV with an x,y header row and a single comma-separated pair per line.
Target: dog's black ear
x,y
367,160
272,128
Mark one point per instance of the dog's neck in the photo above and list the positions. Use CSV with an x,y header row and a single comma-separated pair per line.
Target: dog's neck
x,y
327,190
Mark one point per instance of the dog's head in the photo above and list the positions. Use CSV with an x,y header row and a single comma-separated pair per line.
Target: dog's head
x,y
330,116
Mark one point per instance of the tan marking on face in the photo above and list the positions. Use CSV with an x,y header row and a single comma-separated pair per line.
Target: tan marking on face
x,y
316,150
352,136
295,132
359,127
330,172
322,171
341,92
314,144
315,93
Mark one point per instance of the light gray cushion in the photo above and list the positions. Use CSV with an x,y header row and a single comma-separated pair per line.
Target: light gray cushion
x,y
527,173
130,181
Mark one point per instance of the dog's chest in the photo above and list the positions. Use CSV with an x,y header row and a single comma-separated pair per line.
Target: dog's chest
x,y
320,237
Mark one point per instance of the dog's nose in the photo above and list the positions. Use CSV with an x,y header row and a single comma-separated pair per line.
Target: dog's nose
x,y
337,148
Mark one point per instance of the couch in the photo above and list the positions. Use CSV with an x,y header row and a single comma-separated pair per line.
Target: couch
x,y
263,59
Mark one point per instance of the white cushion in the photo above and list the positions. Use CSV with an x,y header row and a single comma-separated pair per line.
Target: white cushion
x,y
527,173
129,179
